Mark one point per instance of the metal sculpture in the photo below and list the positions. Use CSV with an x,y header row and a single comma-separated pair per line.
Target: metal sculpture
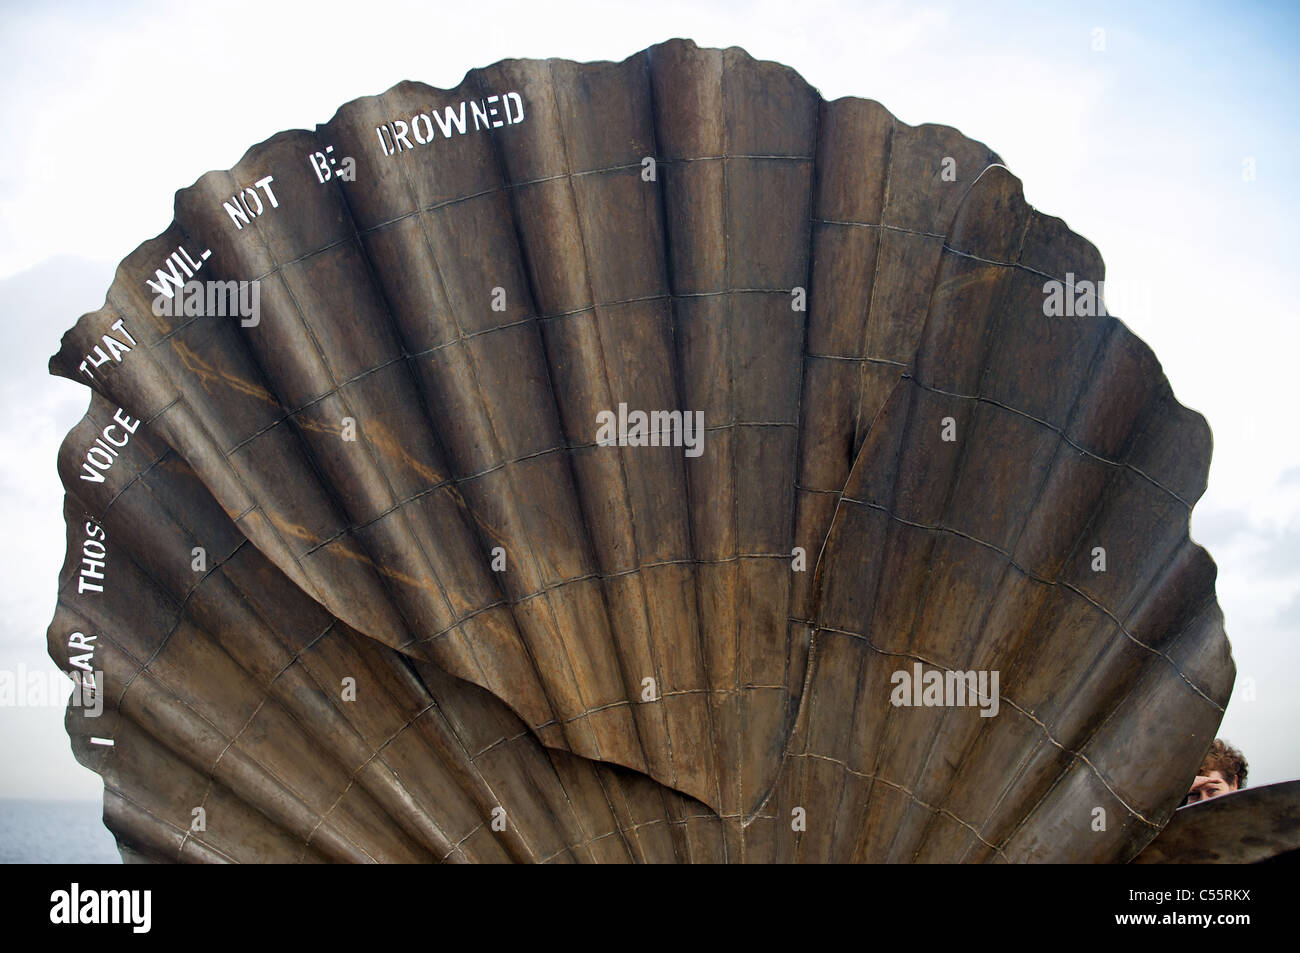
x,y
658,415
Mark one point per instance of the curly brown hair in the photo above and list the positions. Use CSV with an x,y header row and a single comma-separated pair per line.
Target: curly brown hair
x,y
1227,760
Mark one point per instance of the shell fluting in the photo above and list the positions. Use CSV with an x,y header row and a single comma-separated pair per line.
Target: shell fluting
x,y
568,648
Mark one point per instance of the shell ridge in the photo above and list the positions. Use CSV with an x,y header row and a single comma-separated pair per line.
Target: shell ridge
x,y
903,442
363,644
576,485
471,77
689,489
472,519
957,474
174,599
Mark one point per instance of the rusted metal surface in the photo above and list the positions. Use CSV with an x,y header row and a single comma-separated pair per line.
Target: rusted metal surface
x,y
904,460
1244,827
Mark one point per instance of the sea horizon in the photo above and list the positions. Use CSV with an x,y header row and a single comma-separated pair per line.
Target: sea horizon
x,y
55,831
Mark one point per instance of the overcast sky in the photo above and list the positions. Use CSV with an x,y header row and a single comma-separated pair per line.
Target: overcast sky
x,y
1139,146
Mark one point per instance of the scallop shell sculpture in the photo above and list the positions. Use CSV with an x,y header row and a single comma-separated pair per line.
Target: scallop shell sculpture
x,y
571,639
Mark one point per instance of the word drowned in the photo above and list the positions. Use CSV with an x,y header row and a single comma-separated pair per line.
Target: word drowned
x,y
491,113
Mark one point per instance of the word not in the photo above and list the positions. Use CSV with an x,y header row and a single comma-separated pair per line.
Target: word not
x,y
170,280
103,906
485,113
322,164
94,554
658,428
238,208
44,689
1070,300
935,689
214,298
116,348
100,457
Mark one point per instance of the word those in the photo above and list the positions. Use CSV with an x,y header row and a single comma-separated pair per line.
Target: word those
x,y
94,555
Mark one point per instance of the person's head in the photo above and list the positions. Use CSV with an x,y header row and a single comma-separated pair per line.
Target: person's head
x,y
1222,770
